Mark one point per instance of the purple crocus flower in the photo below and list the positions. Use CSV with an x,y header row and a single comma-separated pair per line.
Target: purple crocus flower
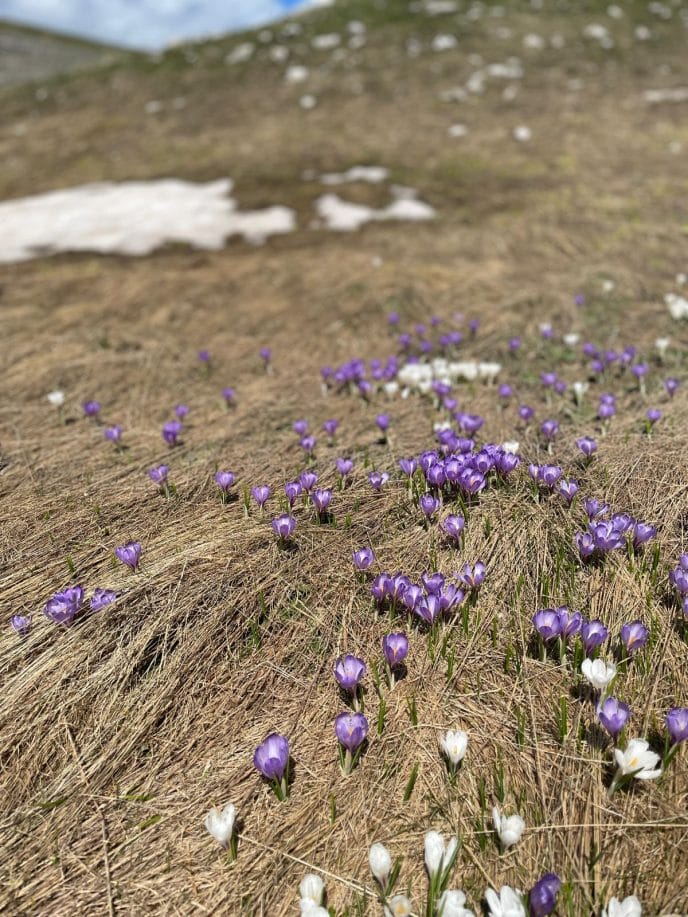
x,y
181,410
330,427
613,714
322,497
21,624
547,623
433,582
505,391
393,318
473,577
380,587
283,526
308,444
585,544
670,386
543,895
363,558
514,344
351,730
413,594
653,415
158,475
114,433
265,354
428,608
568,489
453,527
595,508
63,606
300,427
129,554
607,536
261,494
101,598
395,648
549,428
382,421
408,466
525,412
308,480
587,445
634,636
344,466
470,423
677,724
271,757
546,331
204,356
548,379
225,480
679,578
348,671
570,622
171,431
605,411
549,475
429,505
293,490
436,475
593,634
378,479
91,408
229,395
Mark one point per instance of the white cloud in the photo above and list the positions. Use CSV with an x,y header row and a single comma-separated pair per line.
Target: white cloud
x,y
145,23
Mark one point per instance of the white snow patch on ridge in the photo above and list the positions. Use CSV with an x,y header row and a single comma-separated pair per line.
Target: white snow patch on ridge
x,y
132,218
343,216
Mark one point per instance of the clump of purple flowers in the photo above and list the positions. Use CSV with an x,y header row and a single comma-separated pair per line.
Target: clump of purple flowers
x,y
62,607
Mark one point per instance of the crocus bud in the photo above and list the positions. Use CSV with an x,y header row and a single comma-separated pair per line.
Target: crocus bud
x,y
437,856
398,906
380,862
451,904
629,907
543,895
312,888
56,398
220,824
509,829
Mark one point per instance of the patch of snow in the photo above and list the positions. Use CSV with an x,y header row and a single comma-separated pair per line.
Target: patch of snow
x,y
241,53
343,216
132,218
657,96
326,42
296,73
372,174
444,42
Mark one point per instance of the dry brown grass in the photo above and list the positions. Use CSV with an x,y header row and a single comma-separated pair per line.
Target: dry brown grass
x,y
120,733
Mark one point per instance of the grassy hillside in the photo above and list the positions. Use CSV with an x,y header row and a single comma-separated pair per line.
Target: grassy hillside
x,y
120,732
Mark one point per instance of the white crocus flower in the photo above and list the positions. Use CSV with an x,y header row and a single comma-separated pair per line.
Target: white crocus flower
x,y
509,829
454,744
579,390
662,345
509,902
489,371
220,824
599,673
398,906
629,907
380,862
511,445
637,760
437,855
56,398
310,909
451,904
391,389
312,888
571,339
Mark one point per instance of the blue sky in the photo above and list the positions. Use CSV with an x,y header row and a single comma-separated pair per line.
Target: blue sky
x,y
148,24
